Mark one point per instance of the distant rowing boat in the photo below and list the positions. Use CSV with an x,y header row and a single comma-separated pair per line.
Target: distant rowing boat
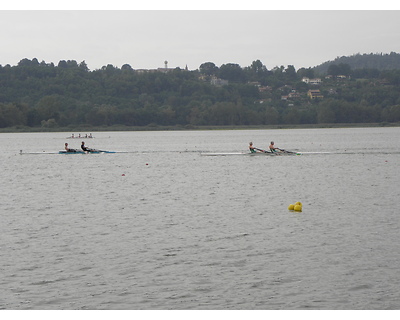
x,y
79,138
252,154
65,152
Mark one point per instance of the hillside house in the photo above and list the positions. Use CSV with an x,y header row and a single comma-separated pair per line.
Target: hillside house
x,y
265,89
293,94
316,81
219,82
314,94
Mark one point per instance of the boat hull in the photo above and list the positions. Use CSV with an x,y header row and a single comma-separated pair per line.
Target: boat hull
x,y
251,154
85,152
237,154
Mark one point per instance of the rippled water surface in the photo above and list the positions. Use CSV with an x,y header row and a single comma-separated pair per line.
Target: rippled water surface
x,y
162,227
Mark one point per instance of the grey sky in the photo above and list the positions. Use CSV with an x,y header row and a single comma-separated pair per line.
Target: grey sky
x,y
144,39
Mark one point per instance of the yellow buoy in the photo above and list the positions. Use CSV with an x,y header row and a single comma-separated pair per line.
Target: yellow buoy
x,y
298,207
298,203
291,207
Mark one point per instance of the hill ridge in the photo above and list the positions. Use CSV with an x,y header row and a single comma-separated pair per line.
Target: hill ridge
x,y
379,61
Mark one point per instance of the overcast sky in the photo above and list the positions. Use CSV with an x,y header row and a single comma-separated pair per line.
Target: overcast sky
x,y
144,39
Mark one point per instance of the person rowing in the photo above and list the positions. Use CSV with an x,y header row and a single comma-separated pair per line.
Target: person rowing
x,y
251,148
68,149
254,149
272,147
86,149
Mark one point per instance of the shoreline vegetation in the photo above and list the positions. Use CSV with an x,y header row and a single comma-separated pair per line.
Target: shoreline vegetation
x,y
19,129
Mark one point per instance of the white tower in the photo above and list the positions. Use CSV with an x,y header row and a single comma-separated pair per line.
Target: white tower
x,y
166,64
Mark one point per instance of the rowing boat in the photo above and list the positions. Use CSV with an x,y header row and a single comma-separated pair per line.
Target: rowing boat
x,y
249,153
227,154
79,137
65,152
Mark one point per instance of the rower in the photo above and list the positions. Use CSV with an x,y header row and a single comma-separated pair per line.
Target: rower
x,y
272,147
252,148
84,148
68,149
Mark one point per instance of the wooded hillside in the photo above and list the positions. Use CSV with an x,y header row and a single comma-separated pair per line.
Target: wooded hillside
x,y
376,61
39,94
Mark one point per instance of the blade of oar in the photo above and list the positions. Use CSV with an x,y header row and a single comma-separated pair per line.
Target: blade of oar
x,y
287,151
107,151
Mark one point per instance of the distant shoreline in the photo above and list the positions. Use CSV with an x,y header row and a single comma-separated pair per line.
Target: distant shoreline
x,y
90,129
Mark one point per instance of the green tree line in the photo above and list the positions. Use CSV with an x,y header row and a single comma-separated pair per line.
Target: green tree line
x,y
40,94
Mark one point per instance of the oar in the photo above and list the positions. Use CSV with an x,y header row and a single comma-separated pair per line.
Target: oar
x,y
286,151
262,150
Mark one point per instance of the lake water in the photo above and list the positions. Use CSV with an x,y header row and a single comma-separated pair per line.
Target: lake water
x,y
163,227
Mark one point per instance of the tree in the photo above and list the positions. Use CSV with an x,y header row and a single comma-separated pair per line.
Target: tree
x,y
126,67
208,68
51,123
271,115
256,72
257,67
49,107
391,114
325,115
72,64
83,66
232,72
109,69
290,73
11,115
291,116
62,64
28,63
305,73
326,111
